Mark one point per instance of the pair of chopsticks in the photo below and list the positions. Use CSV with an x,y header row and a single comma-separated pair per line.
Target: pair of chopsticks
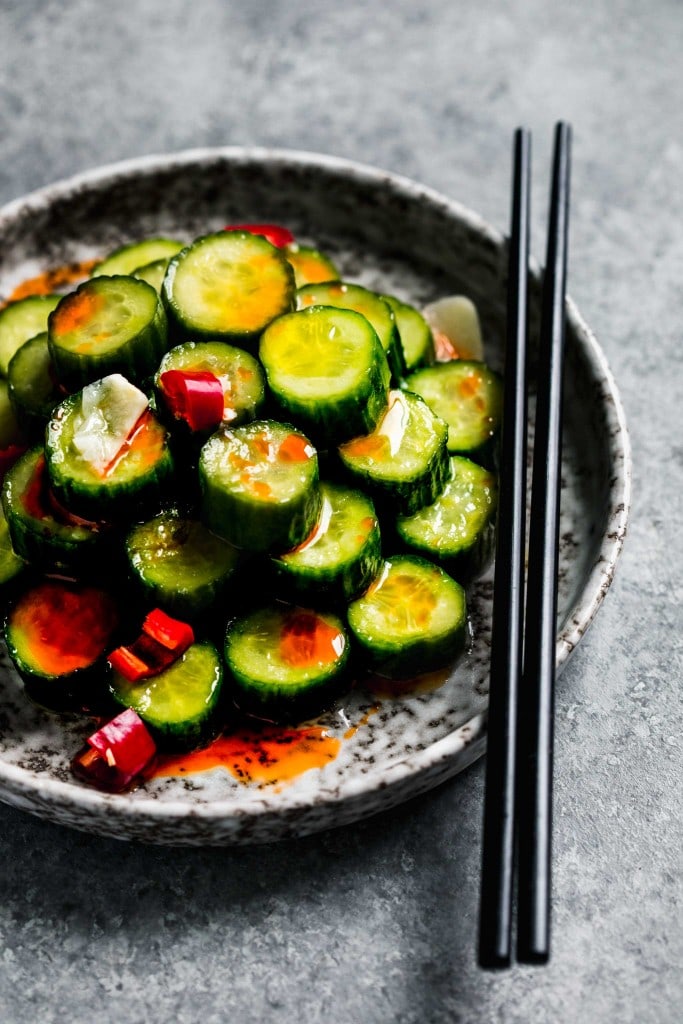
x,y
517,815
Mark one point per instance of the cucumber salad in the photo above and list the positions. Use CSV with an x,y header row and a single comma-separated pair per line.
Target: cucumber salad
x,y
234,483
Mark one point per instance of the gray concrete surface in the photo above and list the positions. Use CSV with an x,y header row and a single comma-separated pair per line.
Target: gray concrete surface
x,y
376,923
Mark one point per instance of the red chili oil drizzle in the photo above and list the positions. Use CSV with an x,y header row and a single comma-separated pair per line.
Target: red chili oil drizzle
x,y
380,686
267,756
52,280
40,503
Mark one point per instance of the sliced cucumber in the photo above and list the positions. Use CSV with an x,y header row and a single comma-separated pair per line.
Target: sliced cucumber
x,y
227,286
11,565
10,430
310,265
180,705
469,397
327,371
415,333
180,566
33,388
286,661
404,461
259,486
57,634
239,373
411,620
41,532
458,530
130,257
153,273
352,296
340,558
108,325
20,321
99,467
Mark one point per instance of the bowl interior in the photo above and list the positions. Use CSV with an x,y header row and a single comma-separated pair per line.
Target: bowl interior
x,y
396,237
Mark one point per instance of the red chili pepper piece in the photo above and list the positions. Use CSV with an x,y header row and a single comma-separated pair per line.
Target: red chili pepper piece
x,y
276,235
116,753
162,642
194,396
171,633
124,743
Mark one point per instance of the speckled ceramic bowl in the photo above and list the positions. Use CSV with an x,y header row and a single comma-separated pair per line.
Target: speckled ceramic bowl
x,y
393,235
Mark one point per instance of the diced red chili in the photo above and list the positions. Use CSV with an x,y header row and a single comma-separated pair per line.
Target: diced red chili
x,y
194,396
276,235
116,753
162,642
171,633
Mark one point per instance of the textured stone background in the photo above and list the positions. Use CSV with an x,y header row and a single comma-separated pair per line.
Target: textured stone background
x,y
376,923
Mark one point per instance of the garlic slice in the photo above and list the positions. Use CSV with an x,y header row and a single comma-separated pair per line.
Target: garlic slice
x,y
110,408
455,325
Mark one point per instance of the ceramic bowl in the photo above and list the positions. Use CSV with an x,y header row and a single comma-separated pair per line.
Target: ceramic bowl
x,y
398,237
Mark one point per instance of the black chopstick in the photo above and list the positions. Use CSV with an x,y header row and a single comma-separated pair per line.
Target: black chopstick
x,y
536,696
518,807
508,603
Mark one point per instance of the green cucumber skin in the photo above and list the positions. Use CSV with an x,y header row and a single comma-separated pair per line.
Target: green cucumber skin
x,y
189,734
469,559
335,585
127,500
277,527
136,255
37,541
391,343
403,497
34,312
137,359
181,329
485,453
352,415
408,320
410,659
31,413
230,517
269,702
197,605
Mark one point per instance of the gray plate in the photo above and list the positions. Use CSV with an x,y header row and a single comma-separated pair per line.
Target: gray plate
x,y
398,237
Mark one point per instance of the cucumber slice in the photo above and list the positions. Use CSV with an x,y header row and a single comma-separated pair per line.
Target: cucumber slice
x,y
415,333
310,265
153,273
180,566
227,286
344,295
20,321
108,325
259,486
10,430
412,619
458,530
404,460
469,397
11,565
180,705
327,371
33,388
240,374
85,430
340,558
57,634
130,257
41,532
286,661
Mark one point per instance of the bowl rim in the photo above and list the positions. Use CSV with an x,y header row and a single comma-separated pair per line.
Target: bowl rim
x,y
469,740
